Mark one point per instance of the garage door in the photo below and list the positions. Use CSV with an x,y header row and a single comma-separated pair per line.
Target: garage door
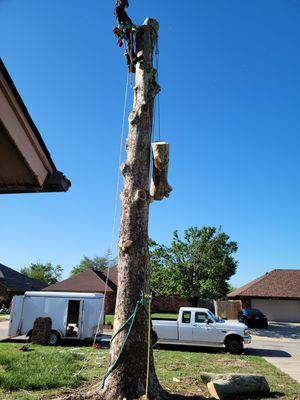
x,y
278,310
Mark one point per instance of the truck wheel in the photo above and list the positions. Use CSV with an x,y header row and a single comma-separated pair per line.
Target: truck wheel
x,y
54,338
234,345
154,337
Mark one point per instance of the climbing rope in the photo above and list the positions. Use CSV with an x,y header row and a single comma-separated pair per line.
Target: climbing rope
x,y
149,297
113,235
156,112
157,77
140,305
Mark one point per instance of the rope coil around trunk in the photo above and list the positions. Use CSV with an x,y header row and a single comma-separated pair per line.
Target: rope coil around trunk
x,y
141,304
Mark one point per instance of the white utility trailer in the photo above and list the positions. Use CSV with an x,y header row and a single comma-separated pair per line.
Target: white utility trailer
x,y
73,315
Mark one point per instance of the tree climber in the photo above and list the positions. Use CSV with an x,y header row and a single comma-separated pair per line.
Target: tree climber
x,y
124,32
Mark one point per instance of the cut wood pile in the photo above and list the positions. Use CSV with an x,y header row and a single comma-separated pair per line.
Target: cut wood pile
x,y
229,386
41,330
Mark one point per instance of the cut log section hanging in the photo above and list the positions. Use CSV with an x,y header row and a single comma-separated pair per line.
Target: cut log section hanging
x,y
160,187
228,386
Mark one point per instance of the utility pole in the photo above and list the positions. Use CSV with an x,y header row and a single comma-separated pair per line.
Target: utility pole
x,y
128,379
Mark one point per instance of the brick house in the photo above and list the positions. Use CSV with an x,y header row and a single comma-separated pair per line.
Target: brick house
x,y
93,281
277,294
13,283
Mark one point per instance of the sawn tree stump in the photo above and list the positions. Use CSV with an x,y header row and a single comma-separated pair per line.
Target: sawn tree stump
x,y
229,386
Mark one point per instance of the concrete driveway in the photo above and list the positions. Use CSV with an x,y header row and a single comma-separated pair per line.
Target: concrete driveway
x,y
288,332
280,346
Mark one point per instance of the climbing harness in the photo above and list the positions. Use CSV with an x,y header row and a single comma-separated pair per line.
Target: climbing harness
x,y
140,305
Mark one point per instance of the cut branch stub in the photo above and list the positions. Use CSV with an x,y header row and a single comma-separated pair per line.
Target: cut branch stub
x,y
160,187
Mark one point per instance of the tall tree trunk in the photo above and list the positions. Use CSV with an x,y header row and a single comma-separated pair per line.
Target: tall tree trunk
x,y
128,379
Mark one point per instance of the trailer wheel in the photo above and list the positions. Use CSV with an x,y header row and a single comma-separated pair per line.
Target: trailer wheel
x,y
54,338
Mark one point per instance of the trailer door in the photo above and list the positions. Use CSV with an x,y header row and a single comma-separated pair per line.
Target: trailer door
x,y
16,316
81,320
74,319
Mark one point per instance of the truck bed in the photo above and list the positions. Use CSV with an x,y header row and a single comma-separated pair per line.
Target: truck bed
x,y
166,329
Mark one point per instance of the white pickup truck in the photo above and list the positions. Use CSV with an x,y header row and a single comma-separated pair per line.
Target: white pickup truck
x,y
200,327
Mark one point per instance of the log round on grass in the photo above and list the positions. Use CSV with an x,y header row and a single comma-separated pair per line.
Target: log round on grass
x,y
227,386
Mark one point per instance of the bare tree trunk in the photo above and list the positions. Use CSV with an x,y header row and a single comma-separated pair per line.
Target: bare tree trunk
x,y
128,379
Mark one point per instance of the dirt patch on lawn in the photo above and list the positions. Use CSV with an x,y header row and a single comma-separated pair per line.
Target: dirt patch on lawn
x,y
232,363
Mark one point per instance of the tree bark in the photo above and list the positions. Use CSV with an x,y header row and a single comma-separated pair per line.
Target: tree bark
x,y
128,379
228,386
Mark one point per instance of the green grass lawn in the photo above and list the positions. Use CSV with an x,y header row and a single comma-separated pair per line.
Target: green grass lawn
x,y
46,371
164,315
4,317
109,319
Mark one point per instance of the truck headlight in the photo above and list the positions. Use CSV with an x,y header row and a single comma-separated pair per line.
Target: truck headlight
x,y
247,332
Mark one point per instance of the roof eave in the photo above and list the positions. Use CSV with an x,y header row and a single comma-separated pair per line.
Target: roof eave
x,y
55,182
249,296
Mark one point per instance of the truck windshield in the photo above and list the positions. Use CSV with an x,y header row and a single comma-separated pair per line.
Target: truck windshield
x,y
213,317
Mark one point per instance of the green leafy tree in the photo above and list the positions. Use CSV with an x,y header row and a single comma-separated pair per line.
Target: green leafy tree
x,y
98,263
231,288
47,273
197,266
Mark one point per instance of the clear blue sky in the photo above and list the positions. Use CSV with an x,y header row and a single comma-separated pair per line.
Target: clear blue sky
x,y
230,77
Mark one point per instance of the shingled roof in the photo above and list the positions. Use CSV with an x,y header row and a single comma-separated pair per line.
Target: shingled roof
x,y
90,281
279,283
16,282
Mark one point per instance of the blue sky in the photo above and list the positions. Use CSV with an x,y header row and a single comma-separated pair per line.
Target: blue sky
x,y
230,77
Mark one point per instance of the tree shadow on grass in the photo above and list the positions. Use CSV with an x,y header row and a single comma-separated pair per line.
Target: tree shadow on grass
x,y
191,349
180,397
273,395
267,353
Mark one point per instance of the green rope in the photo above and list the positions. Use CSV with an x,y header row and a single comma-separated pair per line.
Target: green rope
x,y
139,305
